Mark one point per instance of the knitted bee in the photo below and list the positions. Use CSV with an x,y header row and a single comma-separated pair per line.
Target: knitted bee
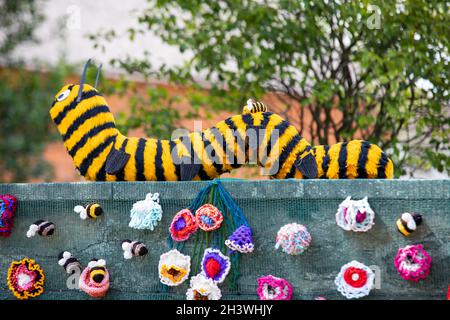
x,y
100,152
42,228
133,249
91,211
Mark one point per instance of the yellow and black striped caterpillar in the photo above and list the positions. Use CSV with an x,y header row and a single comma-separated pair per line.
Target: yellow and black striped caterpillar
x,y
100,152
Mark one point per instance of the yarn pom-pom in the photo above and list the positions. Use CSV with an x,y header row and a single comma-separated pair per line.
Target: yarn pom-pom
x,y
293,238
203,288
355,280
94,279
274,288
145,214
208,217
215,265
241,240
183,225
174,268
413,263
355,215
25,279
8,206
91,211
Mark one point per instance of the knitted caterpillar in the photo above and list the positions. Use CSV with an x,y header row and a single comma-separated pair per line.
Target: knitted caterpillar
x,y
100,152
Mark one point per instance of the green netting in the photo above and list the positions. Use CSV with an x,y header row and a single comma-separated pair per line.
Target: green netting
x,y
268,205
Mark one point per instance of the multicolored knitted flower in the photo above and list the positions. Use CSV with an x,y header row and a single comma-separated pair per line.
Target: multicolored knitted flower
x,y
274,288
25,279
355,280
203,288
215,265
413,263
355,215
8,206
94,279
208,217
174,267
241,240
183,225
293,238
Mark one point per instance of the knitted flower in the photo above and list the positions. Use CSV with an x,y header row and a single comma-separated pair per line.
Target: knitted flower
x,y
355,215
25,279
355,280
413,263
215,265
174,268
203,288
241,240
273,288
208,217
145,214
293,238
183,225
94,279
8,206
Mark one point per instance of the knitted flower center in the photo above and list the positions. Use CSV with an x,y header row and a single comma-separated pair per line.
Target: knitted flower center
x,y
212,268
200,296
180,224
355,277
360,216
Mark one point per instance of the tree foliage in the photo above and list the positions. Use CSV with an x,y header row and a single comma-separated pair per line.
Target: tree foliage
x,y
25,97
376,70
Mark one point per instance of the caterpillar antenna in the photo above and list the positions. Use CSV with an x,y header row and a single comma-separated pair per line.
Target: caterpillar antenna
x,y
99,69
83,79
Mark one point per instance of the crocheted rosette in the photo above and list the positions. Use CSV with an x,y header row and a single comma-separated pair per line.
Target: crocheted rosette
x,y
145,214
92,288
355,280
413,263
174,268
273,288
215,265
293,238
203,288
8,206
208,217
183,225
241,240
25,279
355,215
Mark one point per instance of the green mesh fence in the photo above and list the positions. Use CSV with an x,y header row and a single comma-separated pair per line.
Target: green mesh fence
x,y
268,205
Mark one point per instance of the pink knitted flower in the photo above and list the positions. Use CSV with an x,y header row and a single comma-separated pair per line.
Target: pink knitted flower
x,y
273,288
94,279
183,225
208,217
413,263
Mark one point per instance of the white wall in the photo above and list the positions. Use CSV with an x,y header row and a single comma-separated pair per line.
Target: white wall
x,y
69,22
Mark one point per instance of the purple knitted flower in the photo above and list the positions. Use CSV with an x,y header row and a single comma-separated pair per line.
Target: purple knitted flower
x,y
241,240
215,265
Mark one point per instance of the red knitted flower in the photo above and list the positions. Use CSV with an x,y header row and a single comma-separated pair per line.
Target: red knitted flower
x,y
208,217
183,225
355,277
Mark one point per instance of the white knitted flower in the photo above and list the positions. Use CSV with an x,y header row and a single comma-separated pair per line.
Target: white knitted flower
x,y
174,268
203,288
355,280
355,215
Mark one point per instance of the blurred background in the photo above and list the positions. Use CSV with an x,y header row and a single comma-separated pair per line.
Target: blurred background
x,y
337,70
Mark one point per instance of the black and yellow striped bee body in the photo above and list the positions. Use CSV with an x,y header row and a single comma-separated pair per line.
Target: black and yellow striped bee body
x,y
97,270
94,210
254,107
101,153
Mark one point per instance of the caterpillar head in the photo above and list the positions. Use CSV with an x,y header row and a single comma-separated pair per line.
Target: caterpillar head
x,y
73,100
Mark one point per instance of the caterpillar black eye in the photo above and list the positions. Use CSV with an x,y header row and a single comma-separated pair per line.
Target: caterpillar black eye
x,y
63,95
